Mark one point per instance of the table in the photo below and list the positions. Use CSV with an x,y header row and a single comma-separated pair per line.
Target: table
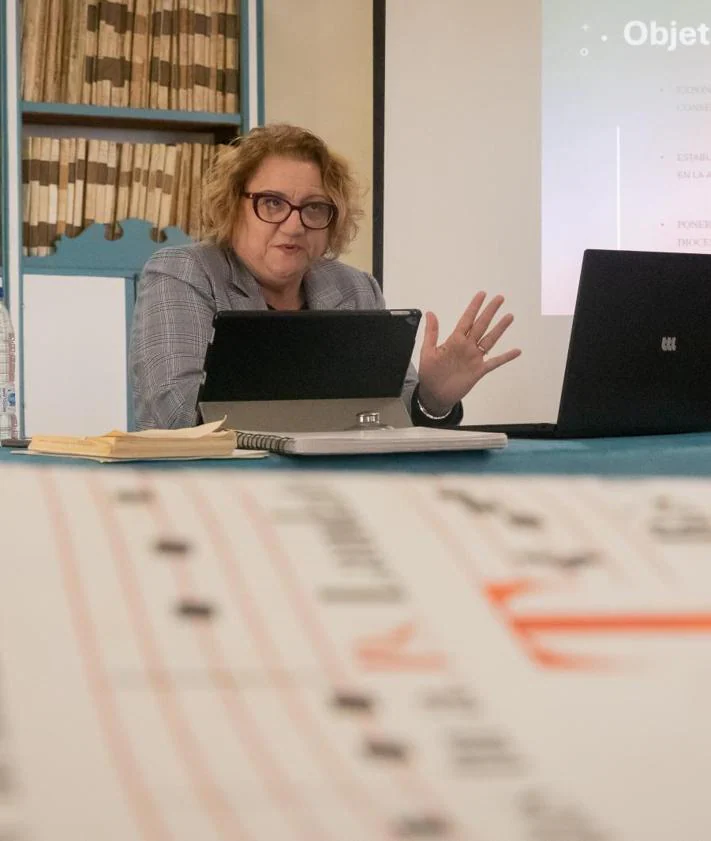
x,y
661,455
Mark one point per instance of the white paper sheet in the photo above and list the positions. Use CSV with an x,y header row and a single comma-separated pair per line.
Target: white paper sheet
x,y
192,655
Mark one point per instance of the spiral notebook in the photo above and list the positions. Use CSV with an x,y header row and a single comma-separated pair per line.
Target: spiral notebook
x,y
410,439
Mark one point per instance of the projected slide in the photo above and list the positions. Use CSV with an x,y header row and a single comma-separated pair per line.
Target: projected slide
x,y
626,119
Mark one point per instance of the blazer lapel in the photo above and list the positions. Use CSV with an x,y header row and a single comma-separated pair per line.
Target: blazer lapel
x,y
321,288
243,280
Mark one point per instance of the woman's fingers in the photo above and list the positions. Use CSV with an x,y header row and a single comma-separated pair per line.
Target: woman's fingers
x,y
495,362
482,322
488,340
431,335
469,315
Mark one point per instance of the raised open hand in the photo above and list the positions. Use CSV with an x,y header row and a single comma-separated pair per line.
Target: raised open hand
x,y
449,371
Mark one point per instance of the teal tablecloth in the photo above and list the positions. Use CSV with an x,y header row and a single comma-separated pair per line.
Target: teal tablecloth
x,y
663,455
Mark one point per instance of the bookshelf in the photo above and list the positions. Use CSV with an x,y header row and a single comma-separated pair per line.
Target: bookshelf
x,y
171,72
109,126
61,113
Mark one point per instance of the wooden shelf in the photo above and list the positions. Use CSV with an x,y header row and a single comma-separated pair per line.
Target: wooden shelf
x,y
62,113
91,253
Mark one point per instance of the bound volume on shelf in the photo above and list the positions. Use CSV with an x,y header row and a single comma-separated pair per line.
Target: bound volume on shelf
x,y
69,183
166,54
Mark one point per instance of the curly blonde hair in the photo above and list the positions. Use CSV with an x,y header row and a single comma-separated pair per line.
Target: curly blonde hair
x,y
237,162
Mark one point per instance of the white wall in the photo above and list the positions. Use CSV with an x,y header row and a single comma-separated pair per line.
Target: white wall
x,y
462,184
318,73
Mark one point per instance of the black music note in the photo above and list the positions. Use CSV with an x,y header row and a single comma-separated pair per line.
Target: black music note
x,y
193,609
172,546
383,749
353,702
525,520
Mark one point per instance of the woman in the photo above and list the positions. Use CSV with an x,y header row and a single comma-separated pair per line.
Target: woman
x,y
280,207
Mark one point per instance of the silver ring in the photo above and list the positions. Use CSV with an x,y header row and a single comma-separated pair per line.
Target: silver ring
x,y
483,350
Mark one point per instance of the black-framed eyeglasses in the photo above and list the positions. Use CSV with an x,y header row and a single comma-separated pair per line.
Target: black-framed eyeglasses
x,y
315,215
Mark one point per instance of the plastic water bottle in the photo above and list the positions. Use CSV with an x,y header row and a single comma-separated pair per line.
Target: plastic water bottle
x,y
8,408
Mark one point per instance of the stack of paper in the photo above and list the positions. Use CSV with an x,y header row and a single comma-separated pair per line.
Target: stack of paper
x,y
207,441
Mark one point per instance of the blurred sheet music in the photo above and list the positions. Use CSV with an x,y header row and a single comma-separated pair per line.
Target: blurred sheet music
x,y
332,657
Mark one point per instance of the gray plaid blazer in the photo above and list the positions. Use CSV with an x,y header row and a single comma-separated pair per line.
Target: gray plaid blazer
x,y
179,292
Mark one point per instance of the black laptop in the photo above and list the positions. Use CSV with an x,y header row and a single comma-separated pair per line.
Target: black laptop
x,y
639,358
